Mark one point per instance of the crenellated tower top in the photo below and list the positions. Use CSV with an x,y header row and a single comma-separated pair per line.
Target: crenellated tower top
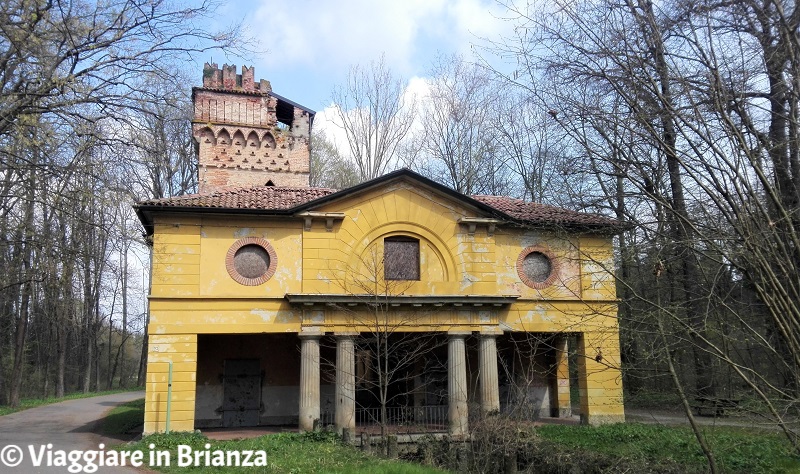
x,y
246,134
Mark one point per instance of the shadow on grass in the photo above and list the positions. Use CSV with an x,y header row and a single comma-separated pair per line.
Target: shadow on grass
x,y
124,422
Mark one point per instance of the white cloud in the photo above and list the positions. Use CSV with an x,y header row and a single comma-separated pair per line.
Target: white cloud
x,y
474,20
327,120
418,89
330,36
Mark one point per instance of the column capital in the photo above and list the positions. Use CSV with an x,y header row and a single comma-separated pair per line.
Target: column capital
x,y
458,334
346,334
491,332
310,333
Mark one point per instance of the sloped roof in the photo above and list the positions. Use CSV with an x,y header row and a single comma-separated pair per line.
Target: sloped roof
x,y
542,213
273,200
258,198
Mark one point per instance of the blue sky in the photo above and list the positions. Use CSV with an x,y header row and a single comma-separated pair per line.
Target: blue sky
x,y
309,45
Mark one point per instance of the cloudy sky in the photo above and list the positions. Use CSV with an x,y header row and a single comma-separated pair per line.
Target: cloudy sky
x,y
309,45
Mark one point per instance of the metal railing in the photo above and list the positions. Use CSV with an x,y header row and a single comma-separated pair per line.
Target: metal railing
x,y
420,419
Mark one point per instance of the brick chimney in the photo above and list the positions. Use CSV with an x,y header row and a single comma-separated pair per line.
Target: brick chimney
x,y
246,135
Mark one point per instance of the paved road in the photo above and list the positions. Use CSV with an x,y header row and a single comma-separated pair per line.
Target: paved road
x,y
67,426
676,417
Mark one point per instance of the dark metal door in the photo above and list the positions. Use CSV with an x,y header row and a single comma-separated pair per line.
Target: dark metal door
x,y
241,392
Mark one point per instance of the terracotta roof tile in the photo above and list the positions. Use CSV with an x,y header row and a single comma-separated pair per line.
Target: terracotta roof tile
x,y
262,197
535,213
273,198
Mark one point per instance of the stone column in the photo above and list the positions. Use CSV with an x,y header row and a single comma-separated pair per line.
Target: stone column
x,y
345,383
489,383
560,400
457,384
309,381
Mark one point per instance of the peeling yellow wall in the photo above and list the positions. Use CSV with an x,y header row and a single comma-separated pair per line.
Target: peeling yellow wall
x,y
181,351
217,235
176,257
192,292
599,379
342,261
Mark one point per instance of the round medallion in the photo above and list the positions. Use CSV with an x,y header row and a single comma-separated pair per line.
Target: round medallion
x,y
537,267
251,261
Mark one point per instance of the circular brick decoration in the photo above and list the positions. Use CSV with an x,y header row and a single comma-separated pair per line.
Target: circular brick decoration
x,y
251,261
537,267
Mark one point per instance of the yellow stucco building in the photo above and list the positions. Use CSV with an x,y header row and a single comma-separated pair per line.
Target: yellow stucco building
x,y
286,304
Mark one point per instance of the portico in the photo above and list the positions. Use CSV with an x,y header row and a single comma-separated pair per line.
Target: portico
x,y
350,318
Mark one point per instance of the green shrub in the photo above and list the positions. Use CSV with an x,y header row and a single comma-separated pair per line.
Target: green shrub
x,y
661,448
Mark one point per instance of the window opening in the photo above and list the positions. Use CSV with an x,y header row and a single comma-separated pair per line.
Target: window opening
x,y
401,258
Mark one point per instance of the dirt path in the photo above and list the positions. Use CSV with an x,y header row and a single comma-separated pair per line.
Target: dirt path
x,y
69,425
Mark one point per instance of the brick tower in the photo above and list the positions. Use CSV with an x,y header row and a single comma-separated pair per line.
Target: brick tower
x,y
247,135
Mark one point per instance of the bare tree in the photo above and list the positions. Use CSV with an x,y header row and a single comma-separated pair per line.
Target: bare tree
x,y
395,360
529,138
458,145
328,168
59,54
666,104
77,78
161,162
375,114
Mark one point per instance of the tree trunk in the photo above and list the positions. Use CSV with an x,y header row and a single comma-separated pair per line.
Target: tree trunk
x,y
61,343
87,371
47,362
123,374
19,346
143,358
688,274
111,372
25,294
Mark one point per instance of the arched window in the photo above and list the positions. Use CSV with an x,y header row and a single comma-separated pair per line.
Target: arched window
x,y
400,258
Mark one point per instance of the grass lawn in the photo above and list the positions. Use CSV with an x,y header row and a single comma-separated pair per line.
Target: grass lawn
x,y
35,402
626,447
315,452
675,449
123,418
286,453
